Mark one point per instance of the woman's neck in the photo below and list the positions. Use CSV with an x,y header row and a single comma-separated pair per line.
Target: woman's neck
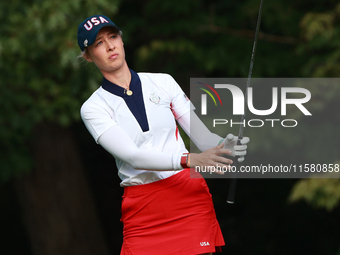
x,y
121,77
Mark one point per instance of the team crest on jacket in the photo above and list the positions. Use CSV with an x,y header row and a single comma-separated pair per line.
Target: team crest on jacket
x,y
155,98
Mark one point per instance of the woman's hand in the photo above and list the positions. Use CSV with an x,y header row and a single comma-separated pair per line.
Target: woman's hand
x,y
211,159
238,150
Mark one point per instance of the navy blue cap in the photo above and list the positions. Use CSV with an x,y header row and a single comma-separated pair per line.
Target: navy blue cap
x,y
89,28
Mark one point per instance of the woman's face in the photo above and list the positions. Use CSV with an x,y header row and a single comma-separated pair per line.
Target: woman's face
x,y
107,52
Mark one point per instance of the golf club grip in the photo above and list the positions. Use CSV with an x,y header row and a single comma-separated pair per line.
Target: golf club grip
x,y
232,189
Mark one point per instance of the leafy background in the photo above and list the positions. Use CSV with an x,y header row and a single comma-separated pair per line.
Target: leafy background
x,y
60,191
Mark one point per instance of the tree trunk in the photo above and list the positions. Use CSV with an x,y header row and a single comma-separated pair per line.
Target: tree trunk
x,y
58,209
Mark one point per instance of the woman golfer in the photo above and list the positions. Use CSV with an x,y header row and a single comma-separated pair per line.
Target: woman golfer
x,y
133,116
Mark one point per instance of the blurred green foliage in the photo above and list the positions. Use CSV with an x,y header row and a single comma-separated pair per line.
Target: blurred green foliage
x,y
41,77
319,192
320,32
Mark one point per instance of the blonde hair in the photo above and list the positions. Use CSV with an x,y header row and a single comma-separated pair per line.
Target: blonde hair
x,y
83,53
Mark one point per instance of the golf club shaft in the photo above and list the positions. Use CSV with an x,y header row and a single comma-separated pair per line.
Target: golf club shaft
x,y
232,187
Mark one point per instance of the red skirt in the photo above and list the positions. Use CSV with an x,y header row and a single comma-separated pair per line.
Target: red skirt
x,y
172,216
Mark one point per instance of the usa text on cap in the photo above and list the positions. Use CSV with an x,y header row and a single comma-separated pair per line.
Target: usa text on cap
x,y
89,28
